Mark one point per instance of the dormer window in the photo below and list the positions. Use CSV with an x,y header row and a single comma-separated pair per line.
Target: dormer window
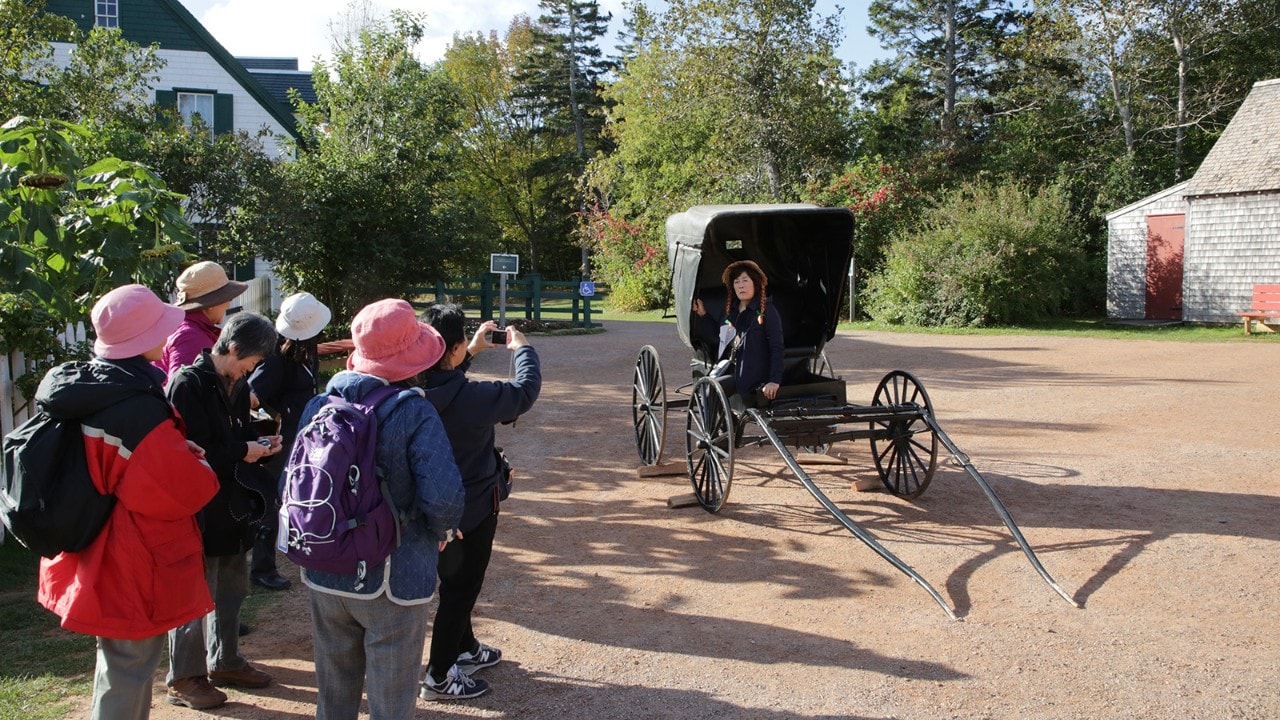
x,y
107,13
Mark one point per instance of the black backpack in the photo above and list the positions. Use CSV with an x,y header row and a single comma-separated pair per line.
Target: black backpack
x,y
48,501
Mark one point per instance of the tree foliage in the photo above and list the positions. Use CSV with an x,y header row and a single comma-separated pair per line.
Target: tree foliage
x,y
368,208
73,230
719,101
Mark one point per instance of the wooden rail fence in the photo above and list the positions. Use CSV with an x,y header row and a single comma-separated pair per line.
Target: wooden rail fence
x,y
529,297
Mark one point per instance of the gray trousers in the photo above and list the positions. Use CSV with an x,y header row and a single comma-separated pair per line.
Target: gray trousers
x,y
122,678
213,641
374,641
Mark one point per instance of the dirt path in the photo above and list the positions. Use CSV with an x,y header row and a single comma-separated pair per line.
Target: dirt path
x,y
1143,473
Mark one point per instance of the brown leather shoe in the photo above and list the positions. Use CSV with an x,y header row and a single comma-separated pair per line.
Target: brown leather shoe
x,y
196,693
245,677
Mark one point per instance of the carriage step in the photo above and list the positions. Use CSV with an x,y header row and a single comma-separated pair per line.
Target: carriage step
x,y
662,469
682,501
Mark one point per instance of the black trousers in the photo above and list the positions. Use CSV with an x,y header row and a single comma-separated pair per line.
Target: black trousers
x,y
462,567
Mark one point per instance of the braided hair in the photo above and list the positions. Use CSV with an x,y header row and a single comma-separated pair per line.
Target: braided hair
x,y
758,280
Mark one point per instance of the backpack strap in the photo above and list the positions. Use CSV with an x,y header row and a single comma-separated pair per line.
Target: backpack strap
x,y
372,400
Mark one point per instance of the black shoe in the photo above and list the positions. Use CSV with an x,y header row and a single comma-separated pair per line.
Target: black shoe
x,y
244,630
274,581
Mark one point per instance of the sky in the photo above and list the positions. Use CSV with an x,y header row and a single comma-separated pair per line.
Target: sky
x,y
300,28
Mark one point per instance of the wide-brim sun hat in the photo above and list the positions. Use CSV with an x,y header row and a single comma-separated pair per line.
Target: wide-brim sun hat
x,y
735,268
205,285
302,316
391,343
131,320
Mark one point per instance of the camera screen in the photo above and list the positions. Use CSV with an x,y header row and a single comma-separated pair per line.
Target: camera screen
x,y
498,337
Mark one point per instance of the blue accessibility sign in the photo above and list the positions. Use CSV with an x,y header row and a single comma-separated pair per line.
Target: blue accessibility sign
x,y
587,289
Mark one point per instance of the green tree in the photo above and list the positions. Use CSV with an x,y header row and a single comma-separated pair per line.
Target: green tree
x,y
948,64
722,101
369,207
514,173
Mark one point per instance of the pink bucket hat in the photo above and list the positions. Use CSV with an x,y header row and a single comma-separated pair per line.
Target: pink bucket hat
x,y
391,343
131,320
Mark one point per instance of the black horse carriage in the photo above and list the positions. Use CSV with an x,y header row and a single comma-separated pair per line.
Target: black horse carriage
x,y
804,251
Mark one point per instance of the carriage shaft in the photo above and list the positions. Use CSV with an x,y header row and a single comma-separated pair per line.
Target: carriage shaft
x,y
839,515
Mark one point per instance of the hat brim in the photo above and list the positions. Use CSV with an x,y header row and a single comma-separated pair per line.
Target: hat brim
x,y
304,331
153,337
232,290
425,351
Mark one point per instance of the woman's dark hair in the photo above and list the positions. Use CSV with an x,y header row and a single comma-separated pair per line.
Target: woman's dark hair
x,y
302,352
448,320
251,333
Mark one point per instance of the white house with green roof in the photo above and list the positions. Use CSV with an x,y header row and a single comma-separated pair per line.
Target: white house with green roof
x,y
200,75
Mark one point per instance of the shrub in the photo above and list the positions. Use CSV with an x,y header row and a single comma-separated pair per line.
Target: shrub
x,y
987,255
627,259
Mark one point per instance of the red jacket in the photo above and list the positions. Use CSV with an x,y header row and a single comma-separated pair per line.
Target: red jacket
x,y
144,575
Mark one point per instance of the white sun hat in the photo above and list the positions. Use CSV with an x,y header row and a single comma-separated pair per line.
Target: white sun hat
x,y
302,317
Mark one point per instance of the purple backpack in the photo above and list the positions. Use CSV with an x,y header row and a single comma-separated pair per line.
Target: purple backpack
x,y
336,515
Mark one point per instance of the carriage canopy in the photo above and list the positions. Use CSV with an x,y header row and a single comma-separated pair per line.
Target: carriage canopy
x,y
803,249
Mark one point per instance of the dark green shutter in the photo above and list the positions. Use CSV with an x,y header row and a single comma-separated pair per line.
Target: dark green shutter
x,y
166,101
223,118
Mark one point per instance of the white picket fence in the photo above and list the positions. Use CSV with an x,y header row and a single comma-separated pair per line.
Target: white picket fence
x,y
15,408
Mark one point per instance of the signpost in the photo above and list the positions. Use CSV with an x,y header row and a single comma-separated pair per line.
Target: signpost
x,y
853,290
502,266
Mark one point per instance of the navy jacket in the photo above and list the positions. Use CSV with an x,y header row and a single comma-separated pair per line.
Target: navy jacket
x,y
760,359
470,409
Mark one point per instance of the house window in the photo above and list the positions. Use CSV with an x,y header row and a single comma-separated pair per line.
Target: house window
x,y
107,13
191,104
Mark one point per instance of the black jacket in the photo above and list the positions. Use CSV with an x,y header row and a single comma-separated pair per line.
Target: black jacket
x,y
220,424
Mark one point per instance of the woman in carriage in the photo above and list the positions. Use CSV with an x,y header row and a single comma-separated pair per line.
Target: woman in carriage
x,y
748,335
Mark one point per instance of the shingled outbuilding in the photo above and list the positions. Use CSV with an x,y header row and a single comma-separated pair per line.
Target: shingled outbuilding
x,y
1194,251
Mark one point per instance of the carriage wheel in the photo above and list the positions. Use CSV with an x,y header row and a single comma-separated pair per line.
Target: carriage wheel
x,y
649,406
709,444
907,452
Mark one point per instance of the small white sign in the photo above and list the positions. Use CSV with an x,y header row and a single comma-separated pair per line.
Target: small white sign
x,y
504,264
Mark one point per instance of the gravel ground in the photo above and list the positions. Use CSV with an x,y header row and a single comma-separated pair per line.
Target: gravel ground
x,y
1143,474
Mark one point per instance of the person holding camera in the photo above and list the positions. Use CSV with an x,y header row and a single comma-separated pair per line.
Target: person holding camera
x,y
213,399
470,409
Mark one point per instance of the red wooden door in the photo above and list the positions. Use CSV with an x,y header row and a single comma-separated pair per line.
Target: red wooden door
x,y
1164,267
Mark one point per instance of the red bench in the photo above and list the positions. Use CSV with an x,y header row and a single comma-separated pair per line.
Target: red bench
x,y
333,354
1264,308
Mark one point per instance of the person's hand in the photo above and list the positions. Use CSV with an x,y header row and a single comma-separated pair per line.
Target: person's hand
x,y
453,535
262,447
769,390
699,308
195,450
480,341
515,339
253,400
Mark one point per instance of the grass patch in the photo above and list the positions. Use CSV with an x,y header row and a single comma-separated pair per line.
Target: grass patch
x,y
1091,328
45,667
46,670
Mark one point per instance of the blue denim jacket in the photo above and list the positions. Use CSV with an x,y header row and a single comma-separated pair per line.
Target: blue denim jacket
x,y
424,483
